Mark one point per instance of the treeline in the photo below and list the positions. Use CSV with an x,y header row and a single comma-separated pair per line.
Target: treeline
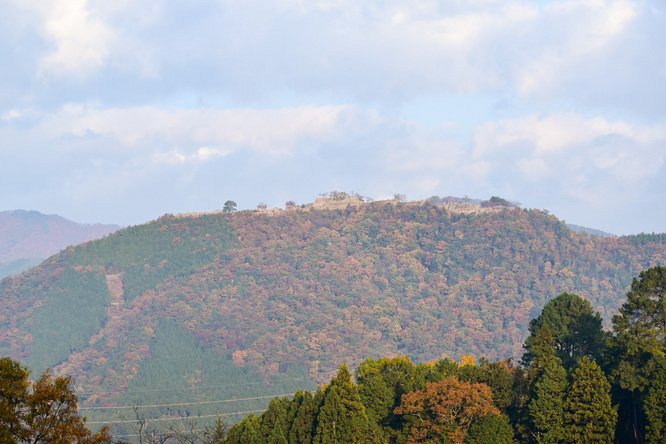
x,y
577,384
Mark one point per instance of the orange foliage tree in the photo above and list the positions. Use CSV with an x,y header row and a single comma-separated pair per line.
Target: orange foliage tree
x,y
446,409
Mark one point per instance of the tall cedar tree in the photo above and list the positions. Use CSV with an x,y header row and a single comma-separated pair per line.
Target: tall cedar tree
x,y
640,331
446,410
303,428
246,431
589,416
342,417
548,381
575,327
655,404
547,405
275,423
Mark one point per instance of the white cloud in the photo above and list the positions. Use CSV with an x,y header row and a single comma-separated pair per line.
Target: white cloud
x,y
80,40
201,133
389,51
11,115
595,161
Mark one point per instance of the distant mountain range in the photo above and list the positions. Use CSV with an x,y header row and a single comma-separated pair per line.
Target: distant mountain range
x,y
579,229
28,237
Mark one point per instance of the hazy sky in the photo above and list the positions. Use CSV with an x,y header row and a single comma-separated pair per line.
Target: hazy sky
x,y
121,111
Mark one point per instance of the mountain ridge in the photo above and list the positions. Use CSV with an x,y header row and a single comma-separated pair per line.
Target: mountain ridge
x,y
289,296
27,237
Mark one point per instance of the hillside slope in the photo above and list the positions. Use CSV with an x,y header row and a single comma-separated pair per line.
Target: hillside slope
x,y
247,304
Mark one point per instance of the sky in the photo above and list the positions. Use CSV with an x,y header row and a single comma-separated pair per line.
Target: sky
x,y
122,111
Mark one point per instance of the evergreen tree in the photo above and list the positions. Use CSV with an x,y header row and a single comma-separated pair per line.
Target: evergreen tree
x,y
274,423
575,327
303,427
640,335
246,432
381,384
548,385
543,352
490,430
218,433
589,416
342,417
546,407
641,328
655,405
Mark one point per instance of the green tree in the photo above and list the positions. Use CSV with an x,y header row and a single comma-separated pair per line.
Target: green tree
x,y
640,328
548,382
303,427
547,405
640,331
246,432
342,416
494,429
274,423
218,433
575,327
381,384
655,404
229,206
13,398
43,411
589,416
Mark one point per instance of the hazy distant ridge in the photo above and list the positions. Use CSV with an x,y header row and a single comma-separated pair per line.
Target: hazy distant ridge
x,y
31,234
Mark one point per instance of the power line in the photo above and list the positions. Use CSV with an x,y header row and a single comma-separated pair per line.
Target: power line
x,y
88,392
179,418
183,403
148,433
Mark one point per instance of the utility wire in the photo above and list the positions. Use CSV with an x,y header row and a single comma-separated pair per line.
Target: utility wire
x,y
89,392
183,403
179,418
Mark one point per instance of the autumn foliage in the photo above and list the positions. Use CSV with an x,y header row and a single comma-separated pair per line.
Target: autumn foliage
x,y
446,409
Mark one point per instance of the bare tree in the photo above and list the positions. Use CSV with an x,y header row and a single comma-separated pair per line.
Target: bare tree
x,y
262,206
399,197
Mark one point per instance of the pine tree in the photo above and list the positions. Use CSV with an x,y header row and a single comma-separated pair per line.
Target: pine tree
x,y
640,335
655,405
589,416
575,328
342,417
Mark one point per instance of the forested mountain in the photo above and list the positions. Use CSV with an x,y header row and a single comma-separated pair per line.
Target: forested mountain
x,y
250,304
28,237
